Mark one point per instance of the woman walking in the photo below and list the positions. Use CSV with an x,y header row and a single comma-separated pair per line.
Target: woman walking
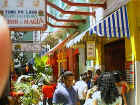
x,y
107,93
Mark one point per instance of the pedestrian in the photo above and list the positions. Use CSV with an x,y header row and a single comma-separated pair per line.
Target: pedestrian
x,y
5,56
48,91
82,88
66,94
107,93
94,86
122,85
89,75
96,76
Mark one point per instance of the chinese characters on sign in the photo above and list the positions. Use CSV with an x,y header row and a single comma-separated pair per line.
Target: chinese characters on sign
x,y
23,13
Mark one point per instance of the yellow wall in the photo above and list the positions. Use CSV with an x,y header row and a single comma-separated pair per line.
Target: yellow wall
x,y
133,45
99,51
133,8
128,50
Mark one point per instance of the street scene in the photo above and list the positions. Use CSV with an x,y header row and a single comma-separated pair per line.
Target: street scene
x,y
69,52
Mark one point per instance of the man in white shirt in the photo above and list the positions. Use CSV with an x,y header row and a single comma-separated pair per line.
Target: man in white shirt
x,y
81,87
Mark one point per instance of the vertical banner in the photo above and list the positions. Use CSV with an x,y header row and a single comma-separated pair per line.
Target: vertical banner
x,y
91,50
24,13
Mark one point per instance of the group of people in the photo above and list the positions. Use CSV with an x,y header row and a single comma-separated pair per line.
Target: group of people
x,y
105,88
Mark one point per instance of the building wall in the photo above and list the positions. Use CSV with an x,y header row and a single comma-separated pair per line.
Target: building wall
x,y
134,25
132,50
137,65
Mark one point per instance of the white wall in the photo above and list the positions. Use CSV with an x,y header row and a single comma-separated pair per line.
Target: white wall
x,y
137,66
131,98
99,14
113,5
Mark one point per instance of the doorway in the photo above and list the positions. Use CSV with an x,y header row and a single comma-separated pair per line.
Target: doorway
x,y
114,55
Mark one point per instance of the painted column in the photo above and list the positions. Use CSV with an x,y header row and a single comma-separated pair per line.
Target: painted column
x,y
129,57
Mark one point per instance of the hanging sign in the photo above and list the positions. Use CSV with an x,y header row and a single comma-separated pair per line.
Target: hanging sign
x,y
24,13
27,47
91,50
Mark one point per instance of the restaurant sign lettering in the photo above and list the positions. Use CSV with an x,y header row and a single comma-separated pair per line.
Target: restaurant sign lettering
x,y
23,13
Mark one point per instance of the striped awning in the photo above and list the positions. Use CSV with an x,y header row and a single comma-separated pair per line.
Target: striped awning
x,y
75,40
114,25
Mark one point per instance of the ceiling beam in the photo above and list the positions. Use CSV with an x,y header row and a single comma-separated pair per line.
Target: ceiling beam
x,y
57,26
70,12
83,4
65,20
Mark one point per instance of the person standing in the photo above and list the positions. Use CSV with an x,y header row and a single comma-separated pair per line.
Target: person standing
x,y
122,85
48,90
82,88
96,76
94,86
89,76
107,93
66,94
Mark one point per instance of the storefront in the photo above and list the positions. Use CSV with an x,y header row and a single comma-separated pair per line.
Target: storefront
x,y
86,57
62,58
118,46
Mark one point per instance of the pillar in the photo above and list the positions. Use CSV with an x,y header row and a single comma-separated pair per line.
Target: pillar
x,y
133,8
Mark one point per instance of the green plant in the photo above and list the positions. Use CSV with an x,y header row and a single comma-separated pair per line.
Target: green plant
x,y
31,95
40,65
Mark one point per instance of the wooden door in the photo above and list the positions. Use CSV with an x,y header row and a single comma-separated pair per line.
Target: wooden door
x,y
114,55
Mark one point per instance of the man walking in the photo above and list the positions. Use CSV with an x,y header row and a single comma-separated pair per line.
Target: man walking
x,y
66,94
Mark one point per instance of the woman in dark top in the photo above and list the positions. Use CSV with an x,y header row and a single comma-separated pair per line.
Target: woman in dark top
x,y
107,93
